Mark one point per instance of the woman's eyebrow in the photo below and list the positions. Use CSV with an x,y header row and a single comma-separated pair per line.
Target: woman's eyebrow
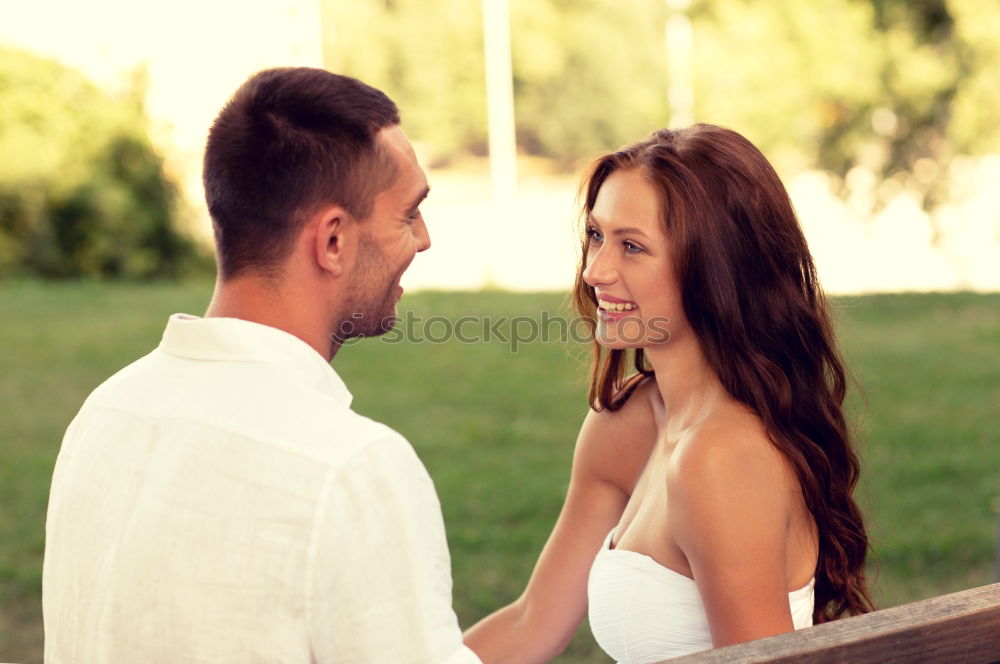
x,y
629,230
626,230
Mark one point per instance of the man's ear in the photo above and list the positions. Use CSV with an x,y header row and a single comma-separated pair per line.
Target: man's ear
x,y
332,235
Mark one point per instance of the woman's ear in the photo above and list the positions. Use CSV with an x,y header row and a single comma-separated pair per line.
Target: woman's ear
x,y
331,236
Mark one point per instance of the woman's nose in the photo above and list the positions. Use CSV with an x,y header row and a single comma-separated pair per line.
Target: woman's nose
x,y
599,271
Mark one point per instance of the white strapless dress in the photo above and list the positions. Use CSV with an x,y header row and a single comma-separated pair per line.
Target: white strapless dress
x,y
642,612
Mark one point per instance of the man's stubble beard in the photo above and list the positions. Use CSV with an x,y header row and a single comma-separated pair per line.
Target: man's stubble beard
x,y
371,307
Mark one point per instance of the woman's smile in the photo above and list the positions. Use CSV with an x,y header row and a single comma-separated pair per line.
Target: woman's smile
x,y
610,312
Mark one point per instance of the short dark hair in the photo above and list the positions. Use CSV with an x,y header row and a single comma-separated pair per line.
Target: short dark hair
x,y
289,140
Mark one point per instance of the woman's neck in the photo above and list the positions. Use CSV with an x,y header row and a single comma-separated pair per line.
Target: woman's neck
x,y
689,387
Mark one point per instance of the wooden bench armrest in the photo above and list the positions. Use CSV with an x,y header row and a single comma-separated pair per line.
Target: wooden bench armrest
x,y
960,628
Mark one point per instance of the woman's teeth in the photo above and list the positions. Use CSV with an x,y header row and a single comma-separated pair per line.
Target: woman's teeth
x,y
615,306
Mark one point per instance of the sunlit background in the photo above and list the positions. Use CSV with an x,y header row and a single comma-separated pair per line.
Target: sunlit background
x,y
883,118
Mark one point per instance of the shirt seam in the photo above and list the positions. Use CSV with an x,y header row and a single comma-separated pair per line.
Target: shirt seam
x,y
311,552
318,518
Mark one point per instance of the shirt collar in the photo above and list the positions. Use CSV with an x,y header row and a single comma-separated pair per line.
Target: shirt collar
x,y
237,340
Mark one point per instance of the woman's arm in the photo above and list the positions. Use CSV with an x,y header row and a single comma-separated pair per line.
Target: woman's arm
x,y
731,494
610,452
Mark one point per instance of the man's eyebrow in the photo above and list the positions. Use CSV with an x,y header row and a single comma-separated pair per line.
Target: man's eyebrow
x,y
627,230
417,200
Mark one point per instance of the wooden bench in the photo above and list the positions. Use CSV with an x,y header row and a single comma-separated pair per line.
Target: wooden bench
x,y
961,628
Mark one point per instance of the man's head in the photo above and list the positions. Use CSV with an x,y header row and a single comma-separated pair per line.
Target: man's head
x,y
289,141
313,186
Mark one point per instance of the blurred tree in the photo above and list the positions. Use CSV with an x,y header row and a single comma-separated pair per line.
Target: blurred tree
x,y
923,68
797,78
578,88
82,191
895,86
975,113
425,54
588,75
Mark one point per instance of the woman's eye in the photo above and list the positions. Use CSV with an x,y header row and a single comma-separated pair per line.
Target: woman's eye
x,y
631,248
594,235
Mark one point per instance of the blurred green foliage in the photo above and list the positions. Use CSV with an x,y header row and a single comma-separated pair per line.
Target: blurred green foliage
x,y
82,191
570,60
427,55
896,87
825,83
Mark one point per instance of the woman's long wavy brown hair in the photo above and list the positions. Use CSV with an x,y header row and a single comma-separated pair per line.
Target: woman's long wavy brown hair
x,y
751,296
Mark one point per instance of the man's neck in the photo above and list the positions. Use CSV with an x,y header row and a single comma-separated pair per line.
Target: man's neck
x,y
269,303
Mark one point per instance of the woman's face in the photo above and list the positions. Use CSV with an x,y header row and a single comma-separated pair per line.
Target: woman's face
x,y
628,265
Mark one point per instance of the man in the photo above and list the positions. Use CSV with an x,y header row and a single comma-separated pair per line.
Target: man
x,y
217,500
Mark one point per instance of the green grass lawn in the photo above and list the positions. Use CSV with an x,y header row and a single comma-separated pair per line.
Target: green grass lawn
x,y
496,428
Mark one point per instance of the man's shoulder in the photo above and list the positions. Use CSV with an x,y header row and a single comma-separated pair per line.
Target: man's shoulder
x,y
261,404
125,381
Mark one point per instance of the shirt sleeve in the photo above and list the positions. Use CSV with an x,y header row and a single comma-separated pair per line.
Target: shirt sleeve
x,y
379,584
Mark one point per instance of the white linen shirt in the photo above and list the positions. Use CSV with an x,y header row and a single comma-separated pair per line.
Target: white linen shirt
x,y
219,501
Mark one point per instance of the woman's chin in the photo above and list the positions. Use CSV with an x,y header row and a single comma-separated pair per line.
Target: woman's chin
x,y
615,342
622,333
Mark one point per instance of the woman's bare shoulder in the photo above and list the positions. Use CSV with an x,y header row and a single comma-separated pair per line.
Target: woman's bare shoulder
x,y
735,439
730,456
616,444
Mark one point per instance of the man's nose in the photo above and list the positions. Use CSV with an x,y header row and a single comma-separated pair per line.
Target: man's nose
x,y
422,234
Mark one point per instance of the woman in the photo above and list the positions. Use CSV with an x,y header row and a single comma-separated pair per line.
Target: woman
x,y
710,498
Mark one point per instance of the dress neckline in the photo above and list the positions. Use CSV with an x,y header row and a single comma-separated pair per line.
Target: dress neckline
x,y
609,547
